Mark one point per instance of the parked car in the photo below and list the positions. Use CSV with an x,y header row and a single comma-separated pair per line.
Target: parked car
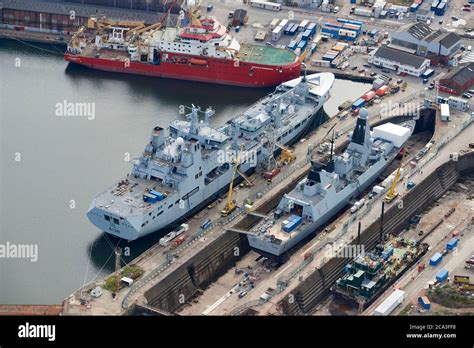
x,y
354,67
230,15
209,8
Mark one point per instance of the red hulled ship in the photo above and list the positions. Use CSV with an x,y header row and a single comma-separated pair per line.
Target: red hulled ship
x,y
202,51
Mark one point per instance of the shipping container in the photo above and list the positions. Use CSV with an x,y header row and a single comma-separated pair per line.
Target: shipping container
x,y
436,259
390,303
312,27
440,10
414,7
303,25
363,12
265,5
277,33
369,96
205,224
149,198
442,275
288,28
294,30
283,22
302,45
274,23
307,35
382,91
358,104
452,244
424,302
161,196
434,5
292,45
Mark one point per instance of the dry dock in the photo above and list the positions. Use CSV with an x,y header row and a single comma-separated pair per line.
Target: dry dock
x,y
173,277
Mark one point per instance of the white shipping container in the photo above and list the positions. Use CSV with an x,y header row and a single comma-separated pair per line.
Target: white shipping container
x,y
377,189
390,303
277,33
445,116
318,62
362,12
392,132
274,23
283,23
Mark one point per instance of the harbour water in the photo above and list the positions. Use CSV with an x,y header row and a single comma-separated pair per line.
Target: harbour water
x,y
53,163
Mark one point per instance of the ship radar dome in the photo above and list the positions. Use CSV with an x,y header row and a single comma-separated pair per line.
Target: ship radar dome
x,y
180,141
363,114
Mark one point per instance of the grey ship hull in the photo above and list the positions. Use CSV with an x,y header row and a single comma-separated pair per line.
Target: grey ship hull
x,y
195,204
343,198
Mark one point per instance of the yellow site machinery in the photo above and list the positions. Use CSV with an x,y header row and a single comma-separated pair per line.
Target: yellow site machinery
x,y
286,156
230,206
392,194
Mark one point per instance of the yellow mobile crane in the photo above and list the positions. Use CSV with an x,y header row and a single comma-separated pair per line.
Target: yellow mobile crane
x,y
230,206
391,194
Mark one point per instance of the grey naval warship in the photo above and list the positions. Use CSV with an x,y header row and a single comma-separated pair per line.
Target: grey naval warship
x,y
329,187
179,174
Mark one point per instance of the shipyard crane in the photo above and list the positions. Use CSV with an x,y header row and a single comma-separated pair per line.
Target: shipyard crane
x,y
392,194
230,205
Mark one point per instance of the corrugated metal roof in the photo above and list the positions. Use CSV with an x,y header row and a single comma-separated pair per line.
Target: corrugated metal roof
x,y
399,57
419,30
59,7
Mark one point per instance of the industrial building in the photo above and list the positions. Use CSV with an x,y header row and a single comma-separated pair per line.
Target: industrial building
x,y
399,61
437,45
55,15
458,81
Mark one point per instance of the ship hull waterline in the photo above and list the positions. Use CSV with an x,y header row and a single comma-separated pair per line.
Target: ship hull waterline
x,y
241,75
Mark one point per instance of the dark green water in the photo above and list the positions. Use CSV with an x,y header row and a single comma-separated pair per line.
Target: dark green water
x,y
73,158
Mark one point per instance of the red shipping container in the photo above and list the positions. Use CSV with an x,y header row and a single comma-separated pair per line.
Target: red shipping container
x,y
368,96
382,91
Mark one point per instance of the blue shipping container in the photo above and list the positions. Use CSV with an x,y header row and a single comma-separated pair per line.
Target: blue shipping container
x,y
292,45
358,104
312,27
452,244
148,198
160,195
424,302
442,275
436,259
302,44
434,5
333,25
307,34
414,7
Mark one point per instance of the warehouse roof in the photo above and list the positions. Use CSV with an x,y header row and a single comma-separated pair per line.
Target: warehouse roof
x,y
462,75
59,7
399,57
450,39
419,30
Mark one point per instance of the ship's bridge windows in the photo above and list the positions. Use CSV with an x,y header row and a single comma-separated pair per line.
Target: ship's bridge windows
x,y
116,221
107,218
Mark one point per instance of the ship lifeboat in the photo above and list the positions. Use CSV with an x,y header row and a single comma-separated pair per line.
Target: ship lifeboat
x,y
180,60
196,61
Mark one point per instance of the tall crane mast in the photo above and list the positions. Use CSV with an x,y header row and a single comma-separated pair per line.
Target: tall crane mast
x,y
392,194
